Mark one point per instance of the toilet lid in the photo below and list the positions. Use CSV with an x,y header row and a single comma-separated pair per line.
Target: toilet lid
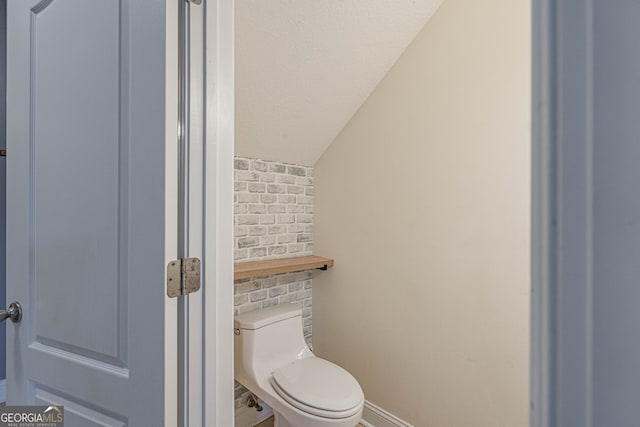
x,y
320,384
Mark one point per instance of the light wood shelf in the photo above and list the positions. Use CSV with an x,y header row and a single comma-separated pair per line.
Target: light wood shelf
x,y
246,270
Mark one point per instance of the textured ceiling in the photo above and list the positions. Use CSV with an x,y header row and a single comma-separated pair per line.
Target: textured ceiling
x,y
304,67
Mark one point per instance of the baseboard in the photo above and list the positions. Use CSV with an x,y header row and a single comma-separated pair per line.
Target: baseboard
x,y
375,416
249,417
3,391
372,416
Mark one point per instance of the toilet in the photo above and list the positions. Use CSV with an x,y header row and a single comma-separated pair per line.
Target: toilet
x,y
273,361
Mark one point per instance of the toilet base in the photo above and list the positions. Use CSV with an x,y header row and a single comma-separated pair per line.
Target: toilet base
x,y
280,421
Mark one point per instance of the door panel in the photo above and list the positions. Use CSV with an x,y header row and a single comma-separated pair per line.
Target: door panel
x,y
79,104
77,412
86,204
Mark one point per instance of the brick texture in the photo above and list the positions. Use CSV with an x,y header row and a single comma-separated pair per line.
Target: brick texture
x,y
268,195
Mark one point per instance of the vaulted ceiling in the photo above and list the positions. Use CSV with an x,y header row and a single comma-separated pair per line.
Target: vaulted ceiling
x,y
304,67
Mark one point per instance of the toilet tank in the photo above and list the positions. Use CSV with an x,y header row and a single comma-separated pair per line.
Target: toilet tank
x,y
269,338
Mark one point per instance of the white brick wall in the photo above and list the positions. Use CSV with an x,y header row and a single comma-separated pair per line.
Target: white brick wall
x,y
273,206
273,218
261,292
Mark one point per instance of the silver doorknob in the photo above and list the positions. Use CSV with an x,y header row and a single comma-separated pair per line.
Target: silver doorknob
x,y
14,312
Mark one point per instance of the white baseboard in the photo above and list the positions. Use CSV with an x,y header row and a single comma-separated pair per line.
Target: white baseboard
x,y
249,417
375,416
3,391
372,416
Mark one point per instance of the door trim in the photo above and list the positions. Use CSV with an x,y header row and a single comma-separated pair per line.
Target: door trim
x,y
540,369
562,211
218,223
194,165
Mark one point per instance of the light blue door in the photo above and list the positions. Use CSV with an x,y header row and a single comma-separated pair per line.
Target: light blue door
x,y
85,208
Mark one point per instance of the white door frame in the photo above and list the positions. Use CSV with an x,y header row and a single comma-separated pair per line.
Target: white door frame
x,y
193,400
540,227
561,310
218,207
210,222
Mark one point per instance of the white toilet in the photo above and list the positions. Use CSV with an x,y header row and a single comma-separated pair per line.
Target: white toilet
x,y
273,361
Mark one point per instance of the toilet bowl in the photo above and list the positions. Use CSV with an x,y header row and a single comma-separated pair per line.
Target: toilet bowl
x,y
273,361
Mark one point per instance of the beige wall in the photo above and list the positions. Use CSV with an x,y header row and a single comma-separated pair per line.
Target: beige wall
x,y
423,201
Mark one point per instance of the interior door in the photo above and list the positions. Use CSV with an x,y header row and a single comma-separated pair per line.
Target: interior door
x,y
86,208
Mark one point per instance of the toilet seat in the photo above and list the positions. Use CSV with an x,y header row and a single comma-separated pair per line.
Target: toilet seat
x,y
318,387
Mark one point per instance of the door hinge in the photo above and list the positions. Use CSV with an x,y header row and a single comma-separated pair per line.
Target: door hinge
x,y
183,277
197,2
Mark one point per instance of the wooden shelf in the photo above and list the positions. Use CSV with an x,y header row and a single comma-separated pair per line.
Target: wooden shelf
x,y
246,270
